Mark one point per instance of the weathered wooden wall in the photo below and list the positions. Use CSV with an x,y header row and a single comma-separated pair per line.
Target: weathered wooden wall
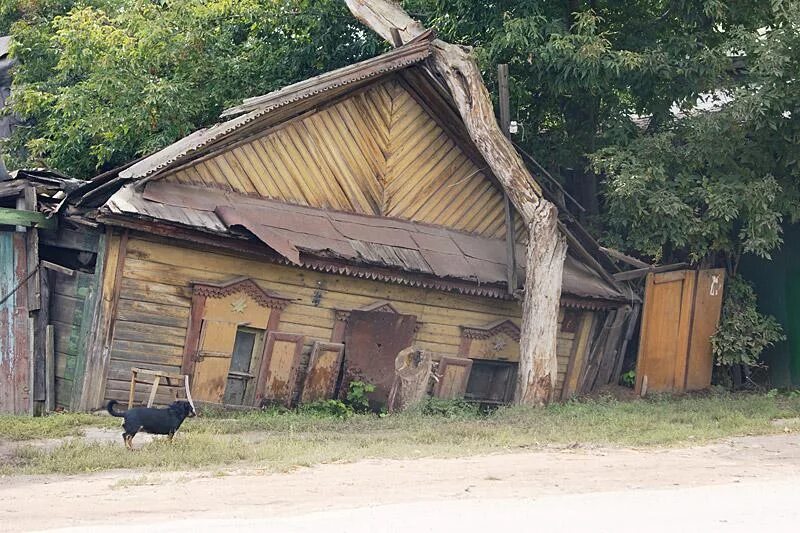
x,y
15,362
377,152
155,300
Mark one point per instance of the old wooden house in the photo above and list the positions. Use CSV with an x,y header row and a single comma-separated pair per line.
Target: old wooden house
x,y
304,241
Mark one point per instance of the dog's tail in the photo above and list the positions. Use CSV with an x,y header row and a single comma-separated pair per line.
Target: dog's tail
x,y
110,408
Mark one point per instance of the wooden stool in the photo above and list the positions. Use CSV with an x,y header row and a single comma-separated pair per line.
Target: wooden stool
x,y
157,377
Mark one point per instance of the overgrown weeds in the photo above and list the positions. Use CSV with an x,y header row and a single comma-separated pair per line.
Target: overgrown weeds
x,y
277,439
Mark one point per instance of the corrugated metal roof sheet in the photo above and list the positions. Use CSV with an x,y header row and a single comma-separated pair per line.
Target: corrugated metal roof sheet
x,y
357,239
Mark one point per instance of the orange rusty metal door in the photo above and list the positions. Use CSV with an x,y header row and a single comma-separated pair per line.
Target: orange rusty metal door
x,y
372,341
213,360
681,312
277,381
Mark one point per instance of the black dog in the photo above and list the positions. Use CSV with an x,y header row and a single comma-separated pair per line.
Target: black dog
x,y
151,420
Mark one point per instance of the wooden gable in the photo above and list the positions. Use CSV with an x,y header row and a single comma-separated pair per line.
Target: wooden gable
x,y
377,152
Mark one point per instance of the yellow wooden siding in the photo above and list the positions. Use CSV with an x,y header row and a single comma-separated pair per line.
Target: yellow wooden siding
x,y
377,152
155,303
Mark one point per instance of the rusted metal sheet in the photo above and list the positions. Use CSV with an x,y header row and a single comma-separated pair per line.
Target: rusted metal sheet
x,y
372,341
15,393
364,240
323,371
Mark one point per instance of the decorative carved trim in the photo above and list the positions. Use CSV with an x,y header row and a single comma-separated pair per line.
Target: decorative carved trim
x,y
489,330
262,297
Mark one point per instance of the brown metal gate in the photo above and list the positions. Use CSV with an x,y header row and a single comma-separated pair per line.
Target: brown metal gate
x,y
372,341
681,313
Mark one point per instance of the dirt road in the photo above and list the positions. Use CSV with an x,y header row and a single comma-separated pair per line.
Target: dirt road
x,y
732,485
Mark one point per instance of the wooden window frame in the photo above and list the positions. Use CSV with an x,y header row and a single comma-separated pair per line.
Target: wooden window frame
x,y
202,290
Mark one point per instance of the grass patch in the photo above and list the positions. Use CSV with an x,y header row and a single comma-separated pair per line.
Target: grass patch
x,y
54,426
283,440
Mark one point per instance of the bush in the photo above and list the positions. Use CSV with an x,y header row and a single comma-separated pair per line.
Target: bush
x,y
449,408
743,332
333,408
357,396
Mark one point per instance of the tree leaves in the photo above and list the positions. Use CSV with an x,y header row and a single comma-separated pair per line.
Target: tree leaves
x,y
100,83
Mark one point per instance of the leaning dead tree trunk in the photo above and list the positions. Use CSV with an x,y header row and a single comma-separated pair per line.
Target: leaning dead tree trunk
x,y
536,378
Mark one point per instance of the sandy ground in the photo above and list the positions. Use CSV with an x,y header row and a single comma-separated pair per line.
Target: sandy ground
x,y
733,485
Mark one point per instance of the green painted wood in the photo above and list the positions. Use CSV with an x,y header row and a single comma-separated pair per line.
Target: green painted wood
x,y
20,217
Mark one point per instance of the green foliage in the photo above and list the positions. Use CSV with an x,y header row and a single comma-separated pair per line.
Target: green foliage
x,y
717,184
101,83
357,396
333,408
699,186
628,379
449,408
743,332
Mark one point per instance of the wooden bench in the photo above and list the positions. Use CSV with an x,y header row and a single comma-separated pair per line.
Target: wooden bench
x,y
157,376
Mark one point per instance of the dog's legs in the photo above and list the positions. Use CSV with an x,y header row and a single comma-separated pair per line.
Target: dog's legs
x,y
128,440
171,435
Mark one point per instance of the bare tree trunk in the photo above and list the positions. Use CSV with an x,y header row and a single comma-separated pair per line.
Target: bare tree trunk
x,y
547,247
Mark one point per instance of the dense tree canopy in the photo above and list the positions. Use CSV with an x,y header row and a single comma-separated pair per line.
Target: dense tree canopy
x,y
104,81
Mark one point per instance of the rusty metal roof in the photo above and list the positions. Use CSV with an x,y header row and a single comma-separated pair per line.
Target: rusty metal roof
x,y
328,84
301,233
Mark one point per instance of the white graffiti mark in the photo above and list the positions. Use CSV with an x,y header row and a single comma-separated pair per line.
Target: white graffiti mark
x,y
714,290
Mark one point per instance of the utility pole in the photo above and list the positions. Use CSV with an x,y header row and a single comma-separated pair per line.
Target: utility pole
x,y
505,126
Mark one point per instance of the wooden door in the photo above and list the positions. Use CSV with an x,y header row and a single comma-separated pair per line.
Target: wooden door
x,y
705,319
278,375
681,313
372,342
665,331
213,360
453,377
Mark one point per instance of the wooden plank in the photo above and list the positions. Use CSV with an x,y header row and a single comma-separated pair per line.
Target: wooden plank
x,y
610,350
707,306
579,354
20,217
453,377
